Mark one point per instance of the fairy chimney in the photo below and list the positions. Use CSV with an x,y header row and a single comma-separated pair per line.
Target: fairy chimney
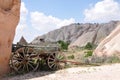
x,y
22,41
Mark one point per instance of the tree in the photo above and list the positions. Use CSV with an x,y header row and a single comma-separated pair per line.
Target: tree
x,y
9,18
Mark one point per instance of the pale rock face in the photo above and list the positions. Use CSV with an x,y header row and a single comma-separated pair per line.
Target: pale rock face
x,y
110,45
8,25
79,34
84,39
6,4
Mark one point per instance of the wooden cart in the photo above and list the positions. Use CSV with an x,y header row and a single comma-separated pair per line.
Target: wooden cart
x,y
28,57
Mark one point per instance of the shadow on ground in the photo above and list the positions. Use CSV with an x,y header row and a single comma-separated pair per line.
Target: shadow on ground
x,y
27,76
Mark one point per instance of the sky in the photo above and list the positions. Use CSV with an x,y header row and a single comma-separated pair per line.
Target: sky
x,y
41,16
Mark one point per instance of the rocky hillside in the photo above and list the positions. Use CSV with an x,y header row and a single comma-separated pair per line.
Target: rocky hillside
x,y
79,34
110,45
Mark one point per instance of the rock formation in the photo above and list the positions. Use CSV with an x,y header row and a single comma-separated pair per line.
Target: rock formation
x,y
6,4
80,34
110,45
9,18
22,41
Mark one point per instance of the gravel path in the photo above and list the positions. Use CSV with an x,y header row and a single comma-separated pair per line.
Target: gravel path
x,y
106,72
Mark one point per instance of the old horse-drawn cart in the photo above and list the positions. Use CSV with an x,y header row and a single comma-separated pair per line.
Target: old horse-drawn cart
x,y
28,57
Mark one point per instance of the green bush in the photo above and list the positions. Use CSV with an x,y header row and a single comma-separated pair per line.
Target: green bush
x,y
63,45
71,57
88,53
89,46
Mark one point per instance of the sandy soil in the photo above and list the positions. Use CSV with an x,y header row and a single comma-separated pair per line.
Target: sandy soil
x,y
105,72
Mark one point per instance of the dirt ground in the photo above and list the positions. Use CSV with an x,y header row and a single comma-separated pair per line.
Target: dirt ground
x,y
105,72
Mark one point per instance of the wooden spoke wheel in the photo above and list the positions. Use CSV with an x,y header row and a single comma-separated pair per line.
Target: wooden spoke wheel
x,y
56,61
24,60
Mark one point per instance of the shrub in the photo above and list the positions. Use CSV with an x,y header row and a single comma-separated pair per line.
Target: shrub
x,y
112,59
89,46
63,45
71,57
88,53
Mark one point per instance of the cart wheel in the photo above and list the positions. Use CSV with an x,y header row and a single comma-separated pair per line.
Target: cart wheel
x,y
56,61
24,60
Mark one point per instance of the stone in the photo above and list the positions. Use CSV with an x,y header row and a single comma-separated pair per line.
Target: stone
x,y
6,4
22,41
110,46
8,24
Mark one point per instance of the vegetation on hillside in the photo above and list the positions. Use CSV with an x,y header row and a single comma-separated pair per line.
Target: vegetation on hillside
x,y
64,45
89,46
